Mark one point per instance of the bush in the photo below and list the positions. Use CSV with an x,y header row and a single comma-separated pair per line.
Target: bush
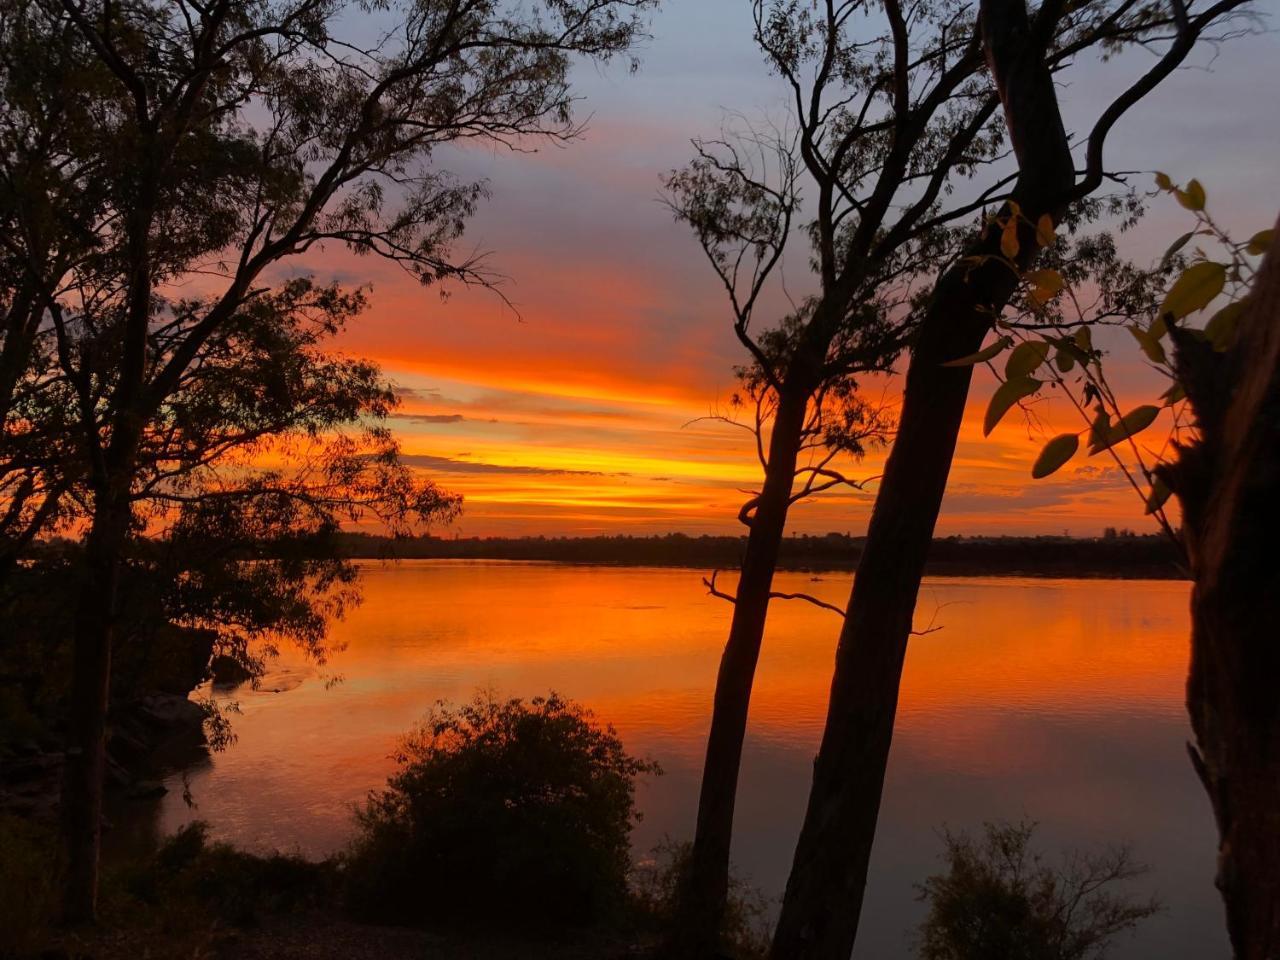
x,y
998,898
28,885
514,814
656,894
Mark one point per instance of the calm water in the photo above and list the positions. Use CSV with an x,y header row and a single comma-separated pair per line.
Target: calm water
x,y
1059,701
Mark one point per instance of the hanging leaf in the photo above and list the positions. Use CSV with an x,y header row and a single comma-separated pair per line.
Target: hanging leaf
x,y
1261,241
1163,181
1084,339
1026,358
1064,359
1055,453
1160,493
1221,328
1176,246
983,355
1100,429
1010,392
1045,285
1150,345
1009,237
1193,197
1195,289
1135,421
1173,395
1159,328
1044,230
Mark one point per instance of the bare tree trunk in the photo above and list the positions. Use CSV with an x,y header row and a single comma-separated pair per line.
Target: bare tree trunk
x,y
824,893
706,885
1229,486
90,690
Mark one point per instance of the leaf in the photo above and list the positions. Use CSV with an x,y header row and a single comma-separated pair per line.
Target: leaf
x,y
1009,237
1163,181
1195,289
1261,241
1150,345
983,355
1055,453
1065,359
1010,392
1160,493
1159,328
1045,285
1176,246
1173,395
1026,359
1221,328
1135,421
1193,197
1084,339
1044,230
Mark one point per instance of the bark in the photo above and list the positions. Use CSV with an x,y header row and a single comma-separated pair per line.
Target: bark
x,y
1228,484
706,885
82,788
824,893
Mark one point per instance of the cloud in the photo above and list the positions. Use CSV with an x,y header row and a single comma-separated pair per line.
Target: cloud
x,y
430,417
451,465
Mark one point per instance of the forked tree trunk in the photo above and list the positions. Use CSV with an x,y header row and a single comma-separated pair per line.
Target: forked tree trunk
x,y
85,766
824,893
705,886
1229,486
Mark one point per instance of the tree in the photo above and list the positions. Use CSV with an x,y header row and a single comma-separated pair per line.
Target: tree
x,y
824,892
1218,459
242,135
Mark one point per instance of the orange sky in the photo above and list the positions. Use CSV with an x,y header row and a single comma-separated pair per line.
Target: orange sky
x,y
573,417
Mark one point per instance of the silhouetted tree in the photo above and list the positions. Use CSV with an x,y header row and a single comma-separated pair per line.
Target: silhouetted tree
x,y
242,135
1023,49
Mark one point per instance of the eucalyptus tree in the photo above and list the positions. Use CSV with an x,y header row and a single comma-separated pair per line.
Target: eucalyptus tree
x,y
244,134
1024,52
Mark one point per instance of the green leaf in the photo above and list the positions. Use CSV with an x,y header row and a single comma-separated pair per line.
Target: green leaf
x,y
1163,181
1135,421
1261,241
1173,395
1026,358
1010,392
983,355
1084,339
1150,345
1193,197
1176,246
1195,289
1065,359
1045,285
1055,453
1221,328
1160,493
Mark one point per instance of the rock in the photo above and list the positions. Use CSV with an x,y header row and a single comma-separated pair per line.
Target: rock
x,y
228,671
147,790
170,712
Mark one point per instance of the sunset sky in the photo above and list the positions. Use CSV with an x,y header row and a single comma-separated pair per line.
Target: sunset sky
x,y
573,417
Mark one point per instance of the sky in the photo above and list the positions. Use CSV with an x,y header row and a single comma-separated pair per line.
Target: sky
x,y
577,413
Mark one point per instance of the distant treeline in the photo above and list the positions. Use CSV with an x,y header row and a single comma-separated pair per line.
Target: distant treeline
x,y
1117,554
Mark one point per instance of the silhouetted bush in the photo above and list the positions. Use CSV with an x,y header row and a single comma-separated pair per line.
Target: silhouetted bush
x,y
656,886
509,813
28,885
999,899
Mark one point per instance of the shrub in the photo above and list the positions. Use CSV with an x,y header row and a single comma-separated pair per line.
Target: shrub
x,y
998,898
28,885
656,886
511,813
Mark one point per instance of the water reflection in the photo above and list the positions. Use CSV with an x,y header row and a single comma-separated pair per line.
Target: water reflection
x,y
1059,700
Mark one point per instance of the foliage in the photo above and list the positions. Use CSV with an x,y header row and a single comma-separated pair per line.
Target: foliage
x,y
1051,347
28,885
999,898
656,885
508,813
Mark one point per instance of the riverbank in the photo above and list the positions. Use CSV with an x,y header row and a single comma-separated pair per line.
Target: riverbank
x,y
1121,555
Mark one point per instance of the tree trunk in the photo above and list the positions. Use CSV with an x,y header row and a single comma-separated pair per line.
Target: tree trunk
x,y
824,893
90,689
705,887
1228,483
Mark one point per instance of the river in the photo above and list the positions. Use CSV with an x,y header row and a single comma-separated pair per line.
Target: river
x,y
1058,701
